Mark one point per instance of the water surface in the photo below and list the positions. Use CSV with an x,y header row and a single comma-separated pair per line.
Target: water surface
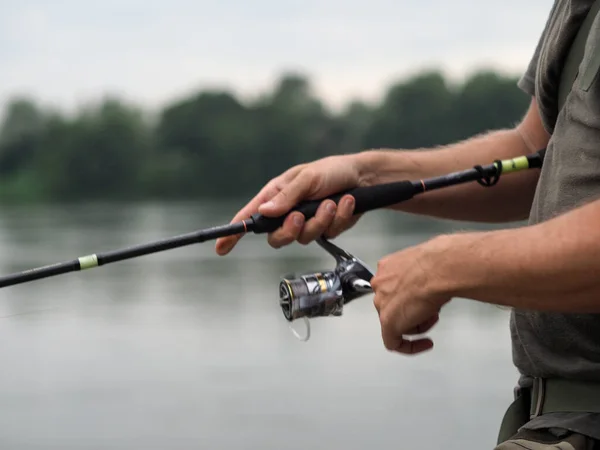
x,y
188,350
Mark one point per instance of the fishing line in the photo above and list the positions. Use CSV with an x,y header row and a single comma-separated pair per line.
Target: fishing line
x,y
35,311
297,335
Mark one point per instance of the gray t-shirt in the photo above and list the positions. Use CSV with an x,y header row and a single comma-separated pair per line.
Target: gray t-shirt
x,y
551,344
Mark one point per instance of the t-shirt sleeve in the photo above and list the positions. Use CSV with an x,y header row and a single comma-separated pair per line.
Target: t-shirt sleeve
x,y
527,80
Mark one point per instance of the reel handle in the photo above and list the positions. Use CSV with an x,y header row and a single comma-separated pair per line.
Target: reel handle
x,y
366,199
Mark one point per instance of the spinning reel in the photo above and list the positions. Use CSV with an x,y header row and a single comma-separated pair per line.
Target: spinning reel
x,y
325,293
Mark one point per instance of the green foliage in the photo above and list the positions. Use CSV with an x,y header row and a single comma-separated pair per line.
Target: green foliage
x,y
212,144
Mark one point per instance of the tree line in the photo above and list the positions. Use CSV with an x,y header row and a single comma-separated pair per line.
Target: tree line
x,y
212,144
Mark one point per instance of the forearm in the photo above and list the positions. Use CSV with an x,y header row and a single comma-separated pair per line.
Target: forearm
x,y
509,200
552,266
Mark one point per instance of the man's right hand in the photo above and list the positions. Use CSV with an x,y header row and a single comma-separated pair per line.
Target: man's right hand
x,y
309,181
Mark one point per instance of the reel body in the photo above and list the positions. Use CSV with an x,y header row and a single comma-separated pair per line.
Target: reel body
x,y
321,294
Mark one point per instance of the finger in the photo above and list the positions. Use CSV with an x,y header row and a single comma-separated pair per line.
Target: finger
x,y
301,187
317,225
391,340
425,326
394,342
392,337
288,232
225,244
376,298
380,288
344,217
412,347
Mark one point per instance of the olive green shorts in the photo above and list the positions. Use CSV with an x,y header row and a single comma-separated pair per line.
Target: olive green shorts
x,y
546,440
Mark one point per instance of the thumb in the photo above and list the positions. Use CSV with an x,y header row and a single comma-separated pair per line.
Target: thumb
x,y
289,196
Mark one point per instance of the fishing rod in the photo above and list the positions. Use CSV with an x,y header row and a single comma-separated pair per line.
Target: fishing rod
x,y
309,295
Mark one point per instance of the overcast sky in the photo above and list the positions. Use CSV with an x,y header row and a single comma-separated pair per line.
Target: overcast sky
x,y
65,52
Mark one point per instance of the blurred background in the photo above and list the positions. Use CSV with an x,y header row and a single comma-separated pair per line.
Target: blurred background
x,y
128,121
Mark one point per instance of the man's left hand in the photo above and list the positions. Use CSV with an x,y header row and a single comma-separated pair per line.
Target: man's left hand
x,y
409,295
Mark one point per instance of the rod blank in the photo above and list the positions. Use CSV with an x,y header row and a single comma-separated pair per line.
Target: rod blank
x,y
367,199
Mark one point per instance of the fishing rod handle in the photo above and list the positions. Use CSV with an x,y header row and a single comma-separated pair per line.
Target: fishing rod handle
x,y
385,195
366,199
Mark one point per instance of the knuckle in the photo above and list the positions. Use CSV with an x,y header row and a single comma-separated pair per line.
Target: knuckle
x,y
322,221
279,239
387,320
309,173
312,179
386,291
318,224
377,304
376,297
296,169
332,232
305,238
375,284
389,344
309,233
287,238
272,191
283,195
341,221
384,320
335,223
274,243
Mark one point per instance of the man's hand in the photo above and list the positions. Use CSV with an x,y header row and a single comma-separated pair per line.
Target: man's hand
x,y
310,181
550,266
409,296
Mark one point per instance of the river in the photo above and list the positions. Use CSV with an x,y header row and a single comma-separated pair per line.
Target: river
x,y
188,350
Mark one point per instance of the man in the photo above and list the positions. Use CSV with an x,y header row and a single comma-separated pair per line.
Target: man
x,y
548,272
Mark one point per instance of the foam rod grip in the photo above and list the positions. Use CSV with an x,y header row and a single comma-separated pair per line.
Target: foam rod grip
x,y
366,199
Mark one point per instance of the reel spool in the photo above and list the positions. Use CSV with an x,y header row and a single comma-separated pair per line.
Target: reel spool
x,y
322,294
